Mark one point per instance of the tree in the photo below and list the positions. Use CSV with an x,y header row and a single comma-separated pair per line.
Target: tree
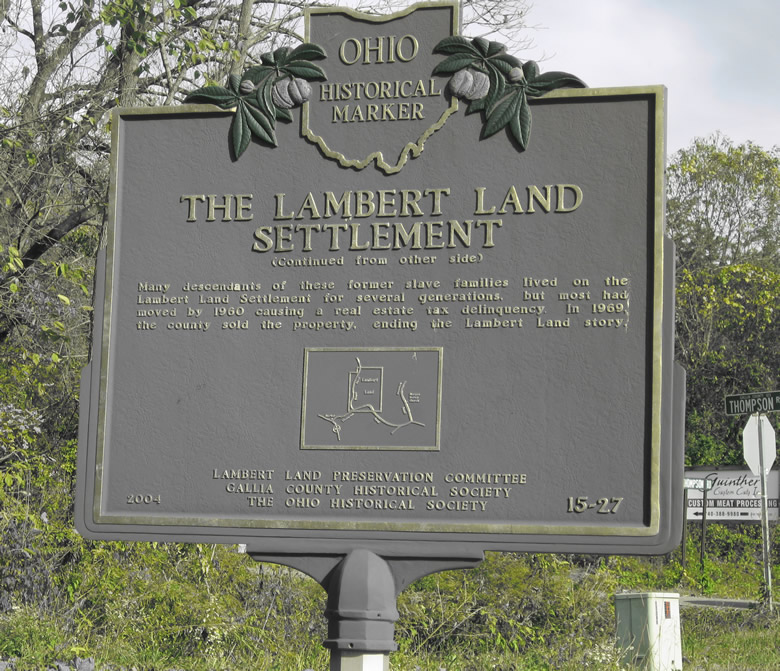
x,y
65,65
723,212
723,204
727,340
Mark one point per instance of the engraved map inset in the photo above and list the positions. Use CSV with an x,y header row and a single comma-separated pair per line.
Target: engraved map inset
x,y
374,399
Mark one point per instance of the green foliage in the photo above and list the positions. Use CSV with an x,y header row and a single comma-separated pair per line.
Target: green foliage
x,y
728,639
511,83
252,94
727,335
162,606
204,607
723,205
208,607
539,606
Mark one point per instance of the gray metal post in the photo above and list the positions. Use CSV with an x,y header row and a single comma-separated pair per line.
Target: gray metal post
x,y
362,588
684,530
764,521
361,614
703,528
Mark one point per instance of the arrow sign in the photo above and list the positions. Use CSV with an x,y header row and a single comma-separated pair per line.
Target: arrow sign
x,y
758,441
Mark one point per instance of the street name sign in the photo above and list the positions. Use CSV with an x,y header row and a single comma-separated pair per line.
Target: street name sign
x,y
701,484
747,404
355,299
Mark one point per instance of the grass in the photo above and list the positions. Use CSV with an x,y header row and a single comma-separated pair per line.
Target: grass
x,y
207,608
716,640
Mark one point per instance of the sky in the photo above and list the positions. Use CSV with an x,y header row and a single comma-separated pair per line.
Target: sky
x,y
719,59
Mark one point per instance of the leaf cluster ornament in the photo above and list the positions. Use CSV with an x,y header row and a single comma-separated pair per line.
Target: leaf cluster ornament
x,y
265,93
511,83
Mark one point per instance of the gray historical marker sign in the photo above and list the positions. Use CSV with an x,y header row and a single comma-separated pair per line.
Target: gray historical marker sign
x,y
387,322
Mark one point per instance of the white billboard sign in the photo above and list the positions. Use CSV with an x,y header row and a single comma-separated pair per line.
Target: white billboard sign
x,y
735,496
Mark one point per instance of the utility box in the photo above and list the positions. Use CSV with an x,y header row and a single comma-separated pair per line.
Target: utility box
x,y
648,630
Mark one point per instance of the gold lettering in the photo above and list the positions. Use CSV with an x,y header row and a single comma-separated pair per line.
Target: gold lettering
x,y
192,200
437,193
456,229
340,114
544,201
309,204
512,198
357,48
283,234
415,48
242,207
378,237
385,202
561,207
333,206
265,241
280,208
410,198
480,209
226,207
402,237
307,230
489,224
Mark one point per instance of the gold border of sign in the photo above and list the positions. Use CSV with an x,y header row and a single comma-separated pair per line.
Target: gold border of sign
x,y
652,528
411,149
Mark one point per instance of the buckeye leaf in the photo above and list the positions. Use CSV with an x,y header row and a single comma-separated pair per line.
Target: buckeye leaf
x,y
482,45
258,73
494,48
213,95
283,114
281,55
305,70
549,81
505,62
520,124
239,131
531,70
502,113
476,106
265,101
307,52
455,45
497,88
454,63
259,125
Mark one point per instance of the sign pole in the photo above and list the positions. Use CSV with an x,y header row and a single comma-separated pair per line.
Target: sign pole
x,y
363,586
764,517
684,528
372,303
758,438
703,529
